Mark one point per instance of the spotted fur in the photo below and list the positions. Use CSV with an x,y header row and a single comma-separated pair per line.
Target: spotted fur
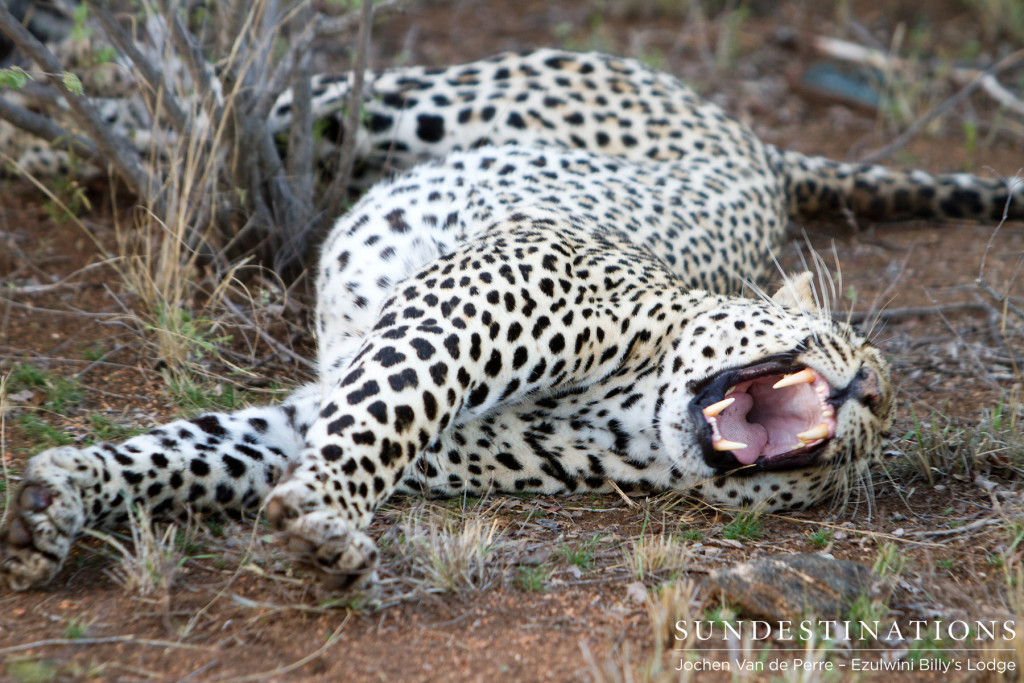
x,y
550,305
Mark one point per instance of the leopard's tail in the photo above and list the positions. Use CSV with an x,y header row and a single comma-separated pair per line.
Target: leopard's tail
x,y
817,187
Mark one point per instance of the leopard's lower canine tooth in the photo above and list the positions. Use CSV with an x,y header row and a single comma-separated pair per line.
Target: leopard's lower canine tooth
x,y
819,432
723,445
715,408
803,377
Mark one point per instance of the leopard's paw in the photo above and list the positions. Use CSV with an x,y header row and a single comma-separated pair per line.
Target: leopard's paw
x,y
342,556
43,519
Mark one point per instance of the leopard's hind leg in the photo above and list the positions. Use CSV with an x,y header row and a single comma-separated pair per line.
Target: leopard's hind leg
x,y
217,461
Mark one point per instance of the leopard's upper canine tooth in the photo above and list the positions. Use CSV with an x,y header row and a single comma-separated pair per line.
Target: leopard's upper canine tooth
x,y
819,432
714,409
723,445
803,377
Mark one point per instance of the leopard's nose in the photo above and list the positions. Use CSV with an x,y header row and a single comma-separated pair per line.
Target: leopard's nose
x,y
866,386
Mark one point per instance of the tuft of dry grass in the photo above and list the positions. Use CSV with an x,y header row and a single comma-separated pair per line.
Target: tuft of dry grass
x,y
150,563
938,446
650,556
445,553
666,606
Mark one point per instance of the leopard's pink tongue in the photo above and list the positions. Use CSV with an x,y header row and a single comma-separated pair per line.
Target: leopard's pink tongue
x,y
733,426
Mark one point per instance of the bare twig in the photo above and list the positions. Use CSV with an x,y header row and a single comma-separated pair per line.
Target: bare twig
x,y
63,282
301,45
629,501
972,78
192,54
992,87
282,670
299,161
977,81
276,345
150,76
967,528
99,641
53,311
338,190
1002,299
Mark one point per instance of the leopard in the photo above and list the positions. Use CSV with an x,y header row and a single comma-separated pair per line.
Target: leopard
x,y
555,284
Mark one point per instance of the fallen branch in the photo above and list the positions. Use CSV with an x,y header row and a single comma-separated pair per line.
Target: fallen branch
x,y
971,79
977,524
911,311
132,640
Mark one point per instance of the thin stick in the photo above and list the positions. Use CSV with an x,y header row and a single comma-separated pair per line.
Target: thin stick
x,y
977,524
913,129
276,345
281,670
914,311
629,501
100,641
52,311
1004,300
63,282
193,57
299,160
299,45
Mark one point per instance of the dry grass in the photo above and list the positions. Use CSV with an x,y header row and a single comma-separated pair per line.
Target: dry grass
x,y
939,446
174,258
650,556
666,606
446,553
150,563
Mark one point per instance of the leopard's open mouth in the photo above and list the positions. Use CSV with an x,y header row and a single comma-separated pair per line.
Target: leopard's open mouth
x,y
772,415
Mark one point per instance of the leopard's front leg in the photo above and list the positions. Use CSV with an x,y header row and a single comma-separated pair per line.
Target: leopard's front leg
x,y
45,515
538,304
215,461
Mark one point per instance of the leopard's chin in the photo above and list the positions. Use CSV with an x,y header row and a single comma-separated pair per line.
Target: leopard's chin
x,y
771,415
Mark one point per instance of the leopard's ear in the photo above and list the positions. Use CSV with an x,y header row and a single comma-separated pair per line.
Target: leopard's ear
x,y
797,292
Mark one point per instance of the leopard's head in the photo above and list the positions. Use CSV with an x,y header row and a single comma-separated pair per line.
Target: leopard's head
x,y
773,404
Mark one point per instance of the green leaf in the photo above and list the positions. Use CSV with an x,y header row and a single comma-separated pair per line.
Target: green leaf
x,y
80,31
105,55
14,77
72,83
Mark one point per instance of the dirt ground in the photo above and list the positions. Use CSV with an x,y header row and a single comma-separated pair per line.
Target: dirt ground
x,y
236,609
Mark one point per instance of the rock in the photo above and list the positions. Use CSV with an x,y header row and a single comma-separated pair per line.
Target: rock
x,y
785,587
